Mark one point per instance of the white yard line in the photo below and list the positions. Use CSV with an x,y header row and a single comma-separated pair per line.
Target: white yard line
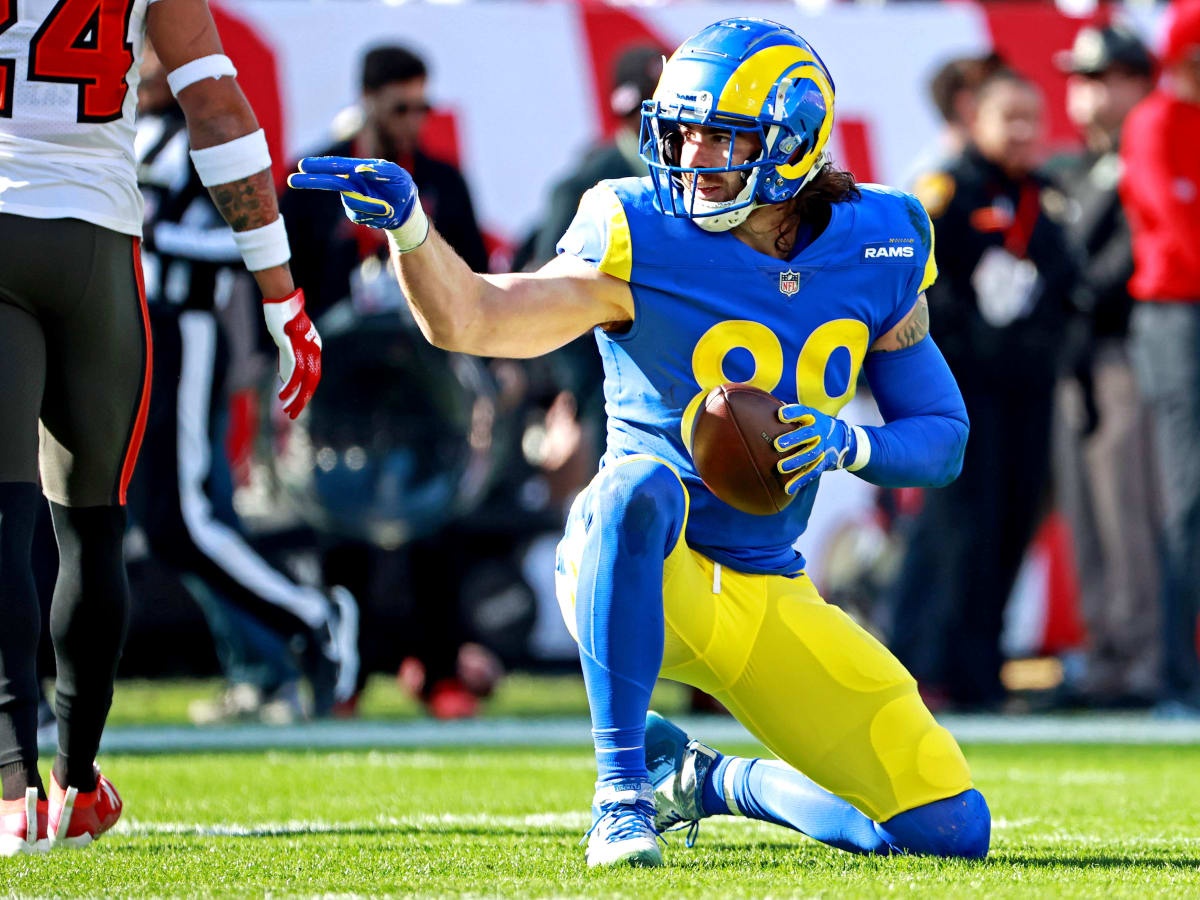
x,y
550,822
546,821
422,734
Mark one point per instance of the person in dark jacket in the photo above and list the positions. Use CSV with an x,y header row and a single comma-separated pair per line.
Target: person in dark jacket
x,y
1104,474
325,247
635,76
953,91
999,311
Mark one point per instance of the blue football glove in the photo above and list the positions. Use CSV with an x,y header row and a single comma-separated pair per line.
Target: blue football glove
x,y
818,442
375,193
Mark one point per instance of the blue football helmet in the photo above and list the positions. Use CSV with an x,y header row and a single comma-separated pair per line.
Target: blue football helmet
x,y
745,75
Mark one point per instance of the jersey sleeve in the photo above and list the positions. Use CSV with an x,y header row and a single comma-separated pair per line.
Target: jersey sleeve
x,y
599,233
924,270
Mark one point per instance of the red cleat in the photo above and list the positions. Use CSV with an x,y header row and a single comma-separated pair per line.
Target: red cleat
x,y
23,824
78,818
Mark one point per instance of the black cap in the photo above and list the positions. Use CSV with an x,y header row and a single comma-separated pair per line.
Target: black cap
x,y
635,76
1097,50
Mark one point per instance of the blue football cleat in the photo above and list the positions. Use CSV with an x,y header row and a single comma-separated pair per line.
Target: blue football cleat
x,y
622,829
678,767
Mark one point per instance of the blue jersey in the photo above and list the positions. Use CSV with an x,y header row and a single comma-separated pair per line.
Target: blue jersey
x,y
708,309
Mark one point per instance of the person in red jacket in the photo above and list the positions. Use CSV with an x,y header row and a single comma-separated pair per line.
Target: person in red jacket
x,y
1161,191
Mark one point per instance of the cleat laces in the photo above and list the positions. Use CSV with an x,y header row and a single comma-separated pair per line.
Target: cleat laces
x,y
625,818
693,832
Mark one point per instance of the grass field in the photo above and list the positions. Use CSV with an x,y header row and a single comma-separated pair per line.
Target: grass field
x,y
1070,821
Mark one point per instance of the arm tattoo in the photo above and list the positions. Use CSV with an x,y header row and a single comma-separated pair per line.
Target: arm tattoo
x,y
915,326
248,202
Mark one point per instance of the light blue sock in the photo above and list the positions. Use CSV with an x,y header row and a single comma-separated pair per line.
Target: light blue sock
x,y
633,514
772,791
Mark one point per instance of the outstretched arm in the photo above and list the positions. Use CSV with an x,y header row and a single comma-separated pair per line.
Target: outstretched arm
x,y
230,155
514,315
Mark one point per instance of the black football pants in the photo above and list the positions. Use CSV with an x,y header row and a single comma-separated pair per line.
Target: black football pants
x,y
75,361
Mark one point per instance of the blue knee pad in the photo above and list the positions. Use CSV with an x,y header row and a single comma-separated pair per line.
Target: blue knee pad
x,y
956,826
640,503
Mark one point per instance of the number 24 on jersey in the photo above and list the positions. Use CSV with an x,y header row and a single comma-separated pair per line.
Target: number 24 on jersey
x,y
83,42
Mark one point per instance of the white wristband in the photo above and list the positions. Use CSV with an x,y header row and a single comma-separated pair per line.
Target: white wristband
x,y
239,158
862,450
215,65
412,233
262,248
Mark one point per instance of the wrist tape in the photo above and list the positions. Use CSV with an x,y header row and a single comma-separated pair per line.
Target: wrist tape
x,y
412,233
262,248
232,160
862,449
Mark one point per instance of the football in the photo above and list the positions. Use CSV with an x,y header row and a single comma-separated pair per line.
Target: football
x,y
732,446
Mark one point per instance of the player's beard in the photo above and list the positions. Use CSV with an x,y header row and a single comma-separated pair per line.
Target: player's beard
x,y
731,185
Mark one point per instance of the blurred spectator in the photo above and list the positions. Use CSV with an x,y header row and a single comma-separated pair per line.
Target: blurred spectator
x,y
416,462
326,247
953,90
1104,466
635,76
435,476
997,312
181,495
1160,188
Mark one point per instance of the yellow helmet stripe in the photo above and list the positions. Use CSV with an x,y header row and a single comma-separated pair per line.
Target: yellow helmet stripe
x,y
747,88
800,168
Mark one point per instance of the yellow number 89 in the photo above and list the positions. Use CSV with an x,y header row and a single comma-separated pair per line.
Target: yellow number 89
x,y
708,362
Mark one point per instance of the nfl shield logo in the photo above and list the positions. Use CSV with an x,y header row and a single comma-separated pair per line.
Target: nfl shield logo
x,y
789,282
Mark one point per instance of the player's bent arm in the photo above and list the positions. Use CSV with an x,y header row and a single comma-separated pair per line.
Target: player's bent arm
x,y
925,435
217,112
230,154
513,315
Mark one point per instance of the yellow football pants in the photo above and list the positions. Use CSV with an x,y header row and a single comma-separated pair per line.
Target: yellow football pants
x,y
819,691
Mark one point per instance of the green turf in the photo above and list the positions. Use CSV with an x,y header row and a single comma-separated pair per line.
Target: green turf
x,y
1070,821
166,702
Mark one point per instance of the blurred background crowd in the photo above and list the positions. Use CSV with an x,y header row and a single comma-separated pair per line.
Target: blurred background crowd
x,y
407,523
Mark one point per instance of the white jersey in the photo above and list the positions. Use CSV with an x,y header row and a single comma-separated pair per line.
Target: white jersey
x,y
68,95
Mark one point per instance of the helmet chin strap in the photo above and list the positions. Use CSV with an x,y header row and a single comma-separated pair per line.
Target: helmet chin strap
x,y
717,221
724,221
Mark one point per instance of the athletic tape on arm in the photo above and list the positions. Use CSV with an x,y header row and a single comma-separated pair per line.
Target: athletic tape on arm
x,y
264,247
862,449
215,65
411,234
238,158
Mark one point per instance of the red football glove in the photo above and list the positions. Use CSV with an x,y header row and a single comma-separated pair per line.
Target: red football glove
x,y
299,350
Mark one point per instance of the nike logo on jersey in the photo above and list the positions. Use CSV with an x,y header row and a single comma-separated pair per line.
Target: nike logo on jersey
x,y
885,250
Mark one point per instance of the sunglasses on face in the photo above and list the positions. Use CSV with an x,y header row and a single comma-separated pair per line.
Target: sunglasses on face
x,y
403,109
